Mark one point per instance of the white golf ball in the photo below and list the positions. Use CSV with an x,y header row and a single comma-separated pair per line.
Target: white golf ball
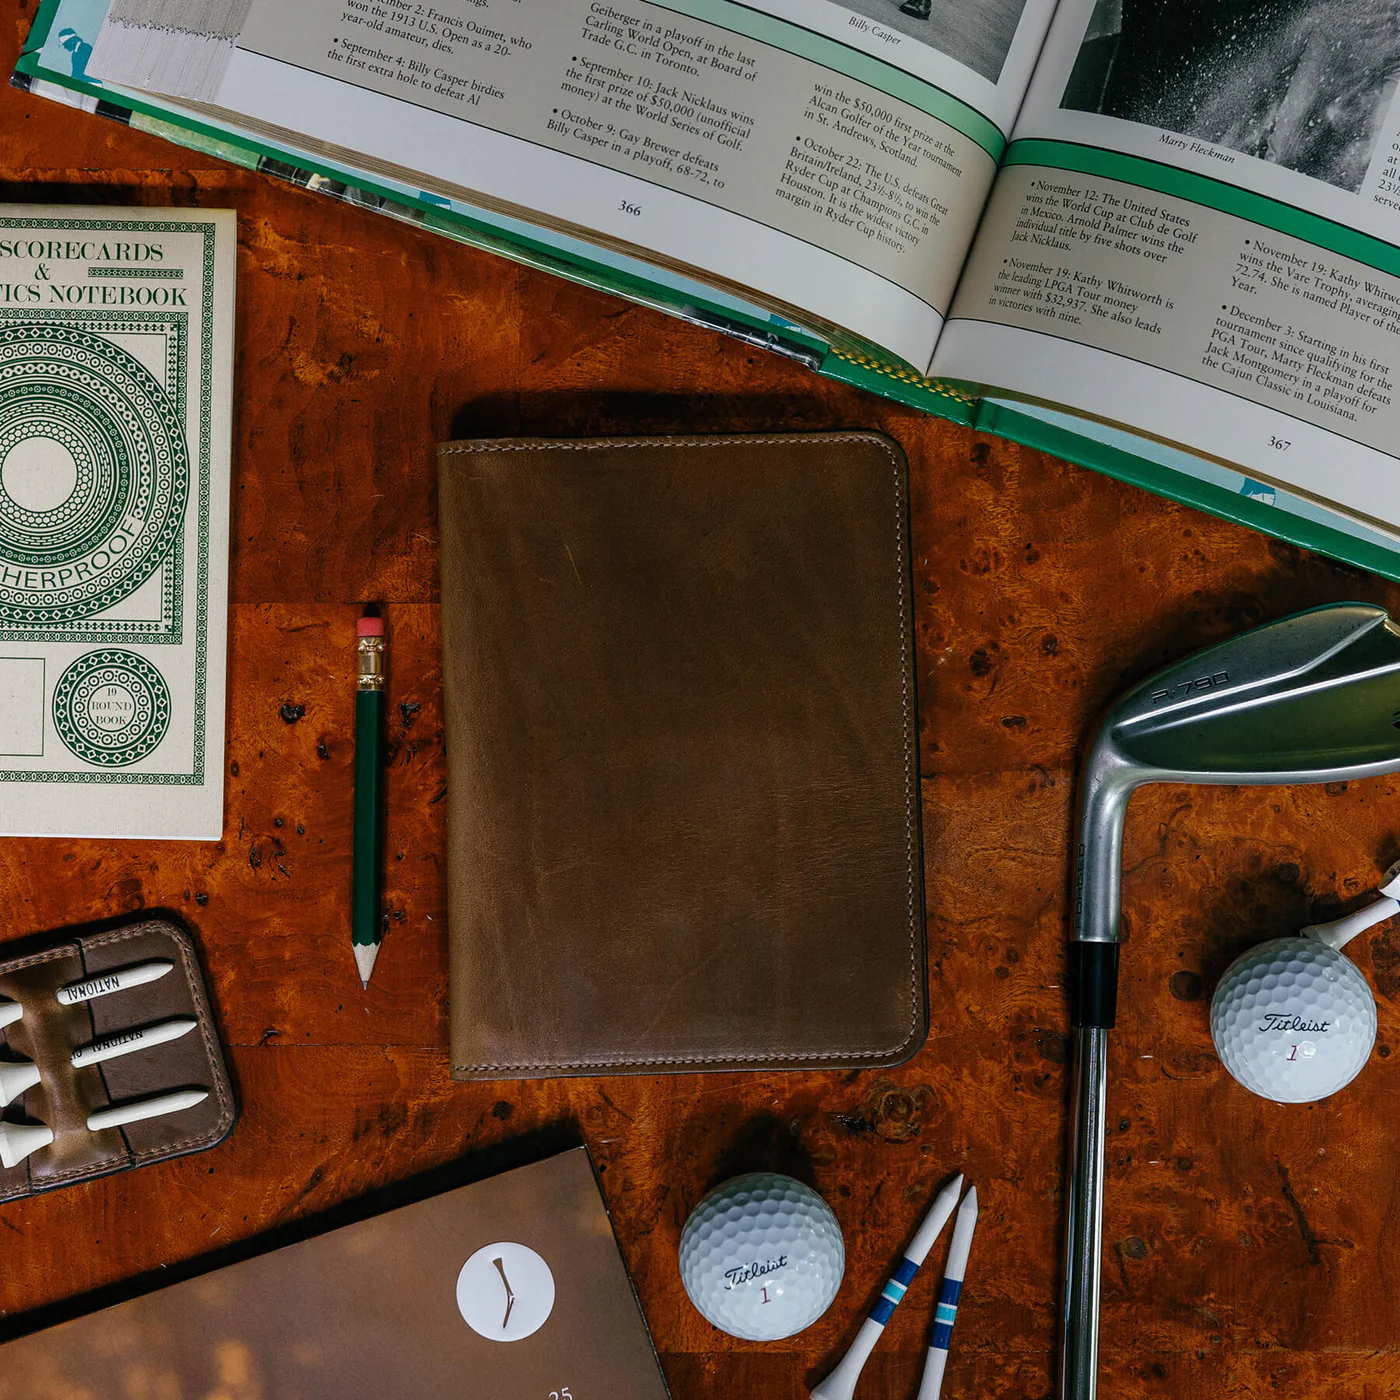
x,y
762,1256
1293,1020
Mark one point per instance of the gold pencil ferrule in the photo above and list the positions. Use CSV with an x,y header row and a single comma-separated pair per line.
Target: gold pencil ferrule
x,y
372,669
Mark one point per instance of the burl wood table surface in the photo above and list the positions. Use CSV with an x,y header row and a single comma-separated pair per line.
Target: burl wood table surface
x,y
1250,1248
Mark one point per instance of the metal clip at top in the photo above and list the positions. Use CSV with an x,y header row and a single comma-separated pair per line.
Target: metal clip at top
x,y
373,672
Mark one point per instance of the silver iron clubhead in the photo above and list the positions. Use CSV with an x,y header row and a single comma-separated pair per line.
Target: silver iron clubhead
x,y
1311,698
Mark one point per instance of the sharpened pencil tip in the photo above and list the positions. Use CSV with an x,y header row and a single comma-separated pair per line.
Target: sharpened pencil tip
x,y
365,955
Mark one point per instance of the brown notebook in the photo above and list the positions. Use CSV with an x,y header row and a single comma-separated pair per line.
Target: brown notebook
x,y
511,1288
683,785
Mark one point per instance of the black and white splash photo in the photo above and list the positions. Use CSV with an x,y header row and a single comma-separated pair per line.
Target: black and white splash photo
x,y
976,33
1304,84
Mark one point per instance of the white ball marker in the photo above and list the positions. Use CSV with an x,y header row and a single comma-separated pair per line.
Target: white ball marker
x,y
112,1047
505,1292
20,1140
159,1107
15,1079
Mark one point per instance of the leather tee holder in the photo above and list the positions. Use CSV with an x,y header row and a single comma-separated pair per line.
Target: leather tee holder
x,y
683,798
49,1033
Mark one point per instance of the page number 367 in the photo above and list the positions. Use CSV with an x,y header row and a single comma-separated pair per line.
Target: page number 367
x,y
1279,444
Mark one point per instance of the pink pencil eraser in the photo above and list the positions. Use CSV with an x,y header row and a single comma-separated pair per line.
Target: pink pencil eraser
x,y
370,627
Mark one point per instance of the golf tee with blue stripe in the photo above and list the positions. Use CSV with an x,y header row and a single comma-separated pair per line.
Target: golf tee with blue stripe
x,y
947,1310
894,1290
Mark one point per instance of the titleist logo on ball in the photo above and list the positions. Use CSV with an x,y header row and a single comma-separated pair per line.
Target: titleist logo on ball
x,y
746,1273
1276,1021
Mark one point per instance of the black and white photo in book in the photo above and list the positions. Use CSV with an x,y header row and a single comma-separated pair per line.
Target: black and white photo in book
x,y
977,35
1305,84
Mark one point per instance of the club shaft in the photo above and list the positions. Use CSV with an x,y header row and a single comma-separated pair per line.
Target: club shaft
x,y
1079,1351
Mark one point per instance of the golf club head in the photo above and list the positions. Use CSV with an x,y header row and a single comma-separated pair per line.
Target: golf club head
x,y
1311,698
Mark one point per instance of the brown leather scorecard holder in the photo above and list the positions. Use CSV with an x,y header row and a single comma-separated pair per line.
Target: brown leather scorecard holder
x,y
683,784
49,1033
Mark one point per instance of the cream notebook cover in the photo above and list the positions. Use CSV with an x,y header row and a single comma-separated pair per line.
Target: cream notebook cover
x,y
116,390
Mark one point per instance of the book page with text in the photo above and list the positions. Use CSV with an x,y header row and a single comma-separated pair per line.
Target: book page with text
x,y
714,137
983,54
1196,234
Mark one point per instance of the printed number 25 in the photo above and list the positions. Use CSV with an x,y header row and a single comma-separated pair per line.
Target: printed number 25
x,y
561,1394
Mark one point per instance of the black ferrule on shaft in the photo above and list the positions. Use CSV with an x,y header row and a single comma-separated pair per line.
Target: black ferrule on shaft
x,y
1093,980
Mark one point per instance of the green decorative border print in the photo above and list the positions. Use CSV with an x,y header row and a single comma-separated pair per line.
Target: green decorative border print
x,y
139,721
134,274
177,367
70,394
168,629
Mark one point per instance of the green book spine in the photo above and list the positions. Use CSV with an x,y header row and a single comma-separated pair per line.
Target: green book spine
x,y
1006,423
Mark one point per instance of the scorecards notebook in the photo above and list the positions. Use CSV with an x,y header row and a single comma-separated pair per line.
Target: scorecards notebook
x,y
507,1288
116,371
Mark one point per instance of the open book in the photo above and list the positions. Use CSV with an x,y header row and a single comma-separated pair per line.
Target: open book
x,y
1158,237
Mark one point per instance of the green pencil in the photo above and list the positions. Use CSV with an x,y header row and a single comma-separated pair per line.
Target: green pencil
x,y
366,925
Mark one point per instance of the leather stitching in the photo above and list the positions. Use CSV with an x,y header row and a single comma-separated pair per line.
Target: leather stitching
x,y
910,828
130,1160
